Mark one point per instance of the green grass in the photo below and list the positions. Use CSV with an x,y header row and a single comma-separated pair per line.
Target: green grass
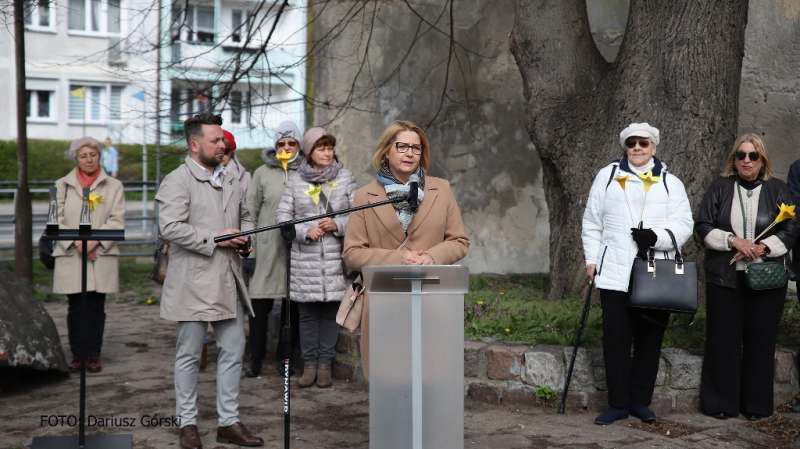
x,y
515,308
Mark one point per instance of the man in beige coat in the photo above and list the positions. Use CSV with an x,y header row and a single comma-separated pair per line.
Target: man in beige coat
x,y
204,283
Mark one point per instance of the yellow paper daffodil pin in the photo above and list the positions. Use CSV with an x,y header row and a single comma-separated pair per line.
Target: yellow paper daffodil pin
x,y
331,185
94,200
648,179
314,191
621,180
284,158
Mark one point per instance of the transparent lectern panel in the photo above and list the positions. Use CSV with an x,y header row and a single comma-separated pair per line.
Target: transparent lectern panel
x,y
442,332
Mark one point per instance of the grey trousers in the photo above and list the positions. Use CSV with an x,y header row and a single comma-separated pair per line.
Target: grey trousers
x,y
319,332
230,340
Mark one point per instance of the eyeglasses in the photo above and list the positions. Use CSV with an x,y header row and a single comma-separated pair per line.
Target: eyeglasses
x,y
228,151
290,143
632,143
743,154
402,148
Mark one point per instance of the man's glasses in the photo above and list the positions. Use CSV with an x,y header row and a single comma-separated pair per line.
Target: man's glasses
x,y
403,147
632,143
753,155
290,143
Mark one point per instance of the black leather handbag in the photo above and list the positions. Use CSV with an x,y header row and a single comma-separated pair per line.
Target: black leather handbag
x,y
664,284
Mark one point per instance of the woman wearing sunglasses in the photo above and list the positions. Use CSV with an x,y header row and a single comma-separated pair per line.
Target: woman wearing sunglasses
x,y
741,323
632,204
269,276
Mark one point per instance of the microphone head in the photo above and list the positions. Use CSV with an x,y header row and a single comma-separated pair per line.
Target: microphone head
x,y
413,178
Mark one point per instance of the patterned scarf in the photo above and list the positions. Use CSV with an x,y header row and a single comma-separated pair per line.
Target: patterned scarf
x,y
396,189
314,176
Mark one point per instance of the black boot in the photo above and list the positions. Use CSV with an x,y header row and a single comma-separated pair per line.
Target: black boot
x,y
253,370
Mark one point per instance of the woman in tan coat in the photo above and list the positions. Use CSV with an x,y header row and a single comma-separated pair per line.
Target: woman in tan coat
x,y
107,210
435,232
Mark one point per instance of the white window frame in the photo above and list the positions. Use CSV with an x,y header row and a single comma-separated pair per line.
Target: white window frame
x,y
34,85
33,106
33,11
190,33
102,17
244,27
103,106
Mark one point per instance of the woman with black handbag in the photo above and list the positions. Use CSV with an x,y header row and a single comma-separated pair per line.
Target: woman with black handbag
x,y
742,317
633,203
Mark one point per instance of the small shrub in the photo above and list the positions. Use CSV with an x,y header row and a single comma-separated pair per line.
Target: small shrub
x,y
545,393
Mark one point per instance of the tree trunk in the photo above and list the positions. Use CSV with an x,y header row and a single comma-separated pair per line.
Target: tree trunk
x,y
678,69
23,220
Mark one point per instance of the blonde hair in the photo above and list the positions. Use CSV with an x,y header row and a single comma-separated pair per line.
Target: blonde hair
x,y
387,139
761,149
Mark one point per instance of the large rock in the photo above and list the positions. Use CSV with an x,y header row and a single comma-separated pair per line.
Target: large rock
x,y
544,366
28,336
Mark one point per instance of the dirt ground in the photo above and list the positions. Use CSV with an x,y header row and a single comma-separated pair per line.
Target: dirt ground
x,y
136,384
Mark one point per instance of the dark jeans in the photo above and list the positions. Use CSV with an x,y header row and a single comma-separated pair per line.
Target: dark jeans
x,y
95,320
739,363
319,332
630,380
258,328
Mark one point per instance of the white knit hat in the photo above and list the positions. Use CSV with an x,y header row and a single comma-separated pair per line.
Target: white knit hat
x,y
639,130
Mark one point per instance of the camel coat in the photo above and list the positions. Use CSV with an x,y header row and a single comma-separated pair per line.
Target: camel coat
x,y
103,274
373,236
202,279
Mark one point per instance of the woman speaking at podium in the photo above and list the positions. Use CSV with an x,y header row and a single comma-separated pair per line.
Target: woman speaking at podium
x,y
394,234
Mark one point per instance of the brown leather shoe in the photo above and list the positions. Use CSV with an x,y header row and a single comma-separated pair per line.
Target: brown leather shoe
x,y
75,364
308,377
190,439
237,434
93,364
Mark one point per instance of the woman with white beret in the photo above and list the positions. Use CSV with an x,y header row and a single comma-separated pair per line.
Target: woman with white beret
x,y
632,203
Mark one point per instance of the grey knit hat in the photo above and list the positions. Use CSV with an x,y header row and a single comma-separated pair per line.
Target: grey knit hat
x,y
86,141
287,129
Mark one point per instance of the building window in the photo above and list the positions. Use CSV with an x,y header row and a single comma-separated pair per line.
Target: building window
x,y
235,102
96,103
38,103
194,24
241,23
95,16
185,102
38,14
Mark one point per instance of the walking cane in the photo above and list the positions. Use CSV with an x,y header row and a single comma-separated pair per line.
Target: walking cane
x,y
575,349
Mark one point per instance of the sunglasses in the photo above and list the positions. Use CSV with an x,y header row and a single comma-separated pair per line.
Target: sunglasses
x,y
228,151
291,143
632,143
753,155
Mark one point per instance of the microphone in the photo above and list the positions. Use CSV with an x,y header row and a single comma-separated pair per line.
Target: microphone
x,y
413,192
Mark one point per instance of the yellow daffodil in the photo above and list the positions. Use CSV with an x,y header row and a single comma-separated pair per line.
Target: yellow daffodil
x,y
785,212
508,330
149,300
284,158
331,185
94,200
480,303
621,180
314,191
648,180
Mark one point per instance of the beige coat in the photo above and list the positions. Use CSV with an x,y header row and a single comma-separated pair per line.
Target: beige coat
x,y
202,278
103,274
373,236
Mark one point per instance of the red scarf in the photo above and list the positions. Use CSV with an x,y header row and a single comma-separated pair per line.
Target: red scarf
x,y
87,180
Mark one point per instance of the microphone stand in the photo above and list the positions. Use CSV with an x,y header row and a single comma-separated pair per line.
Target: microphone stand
x,y
289,233
85,234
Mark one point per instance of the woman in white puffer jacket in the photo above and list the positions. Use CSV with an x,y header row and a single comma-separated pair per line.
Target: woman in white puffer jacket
x,y
612,238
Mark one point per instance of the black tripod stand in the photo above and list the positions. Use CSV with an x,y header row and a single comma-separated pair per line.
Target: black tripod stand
x,y
85,234
289,233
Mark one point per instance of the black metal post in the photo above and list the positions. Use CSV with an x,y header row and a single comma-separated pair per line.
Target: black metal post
x,y
288,233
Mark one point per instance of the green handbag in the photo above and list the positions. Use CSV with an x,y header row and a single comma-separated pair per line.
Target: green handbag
x,y
765,275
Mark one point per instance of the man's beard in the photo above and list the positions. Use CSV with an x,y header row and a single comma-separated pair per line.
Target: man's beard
x,y
210,161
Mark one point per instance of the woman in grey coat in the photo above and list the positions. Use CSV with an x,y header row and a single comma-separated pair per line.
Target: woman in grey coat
x,y
317,281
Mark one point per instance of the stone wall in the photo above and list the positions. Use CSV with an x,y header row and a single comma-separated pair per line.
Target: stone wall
x,y
502,373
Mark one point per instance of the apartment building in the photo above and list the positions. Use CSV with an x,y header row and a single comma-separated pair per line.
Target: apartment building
x,y
93,67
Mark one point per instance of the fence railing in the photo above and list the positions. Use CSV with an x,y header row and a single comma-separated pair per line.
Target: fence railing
x,y
140,225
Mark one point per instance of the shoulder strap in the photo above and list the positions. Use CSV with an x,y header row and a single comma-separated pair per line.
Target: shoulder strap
x,y
611,178
664,180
